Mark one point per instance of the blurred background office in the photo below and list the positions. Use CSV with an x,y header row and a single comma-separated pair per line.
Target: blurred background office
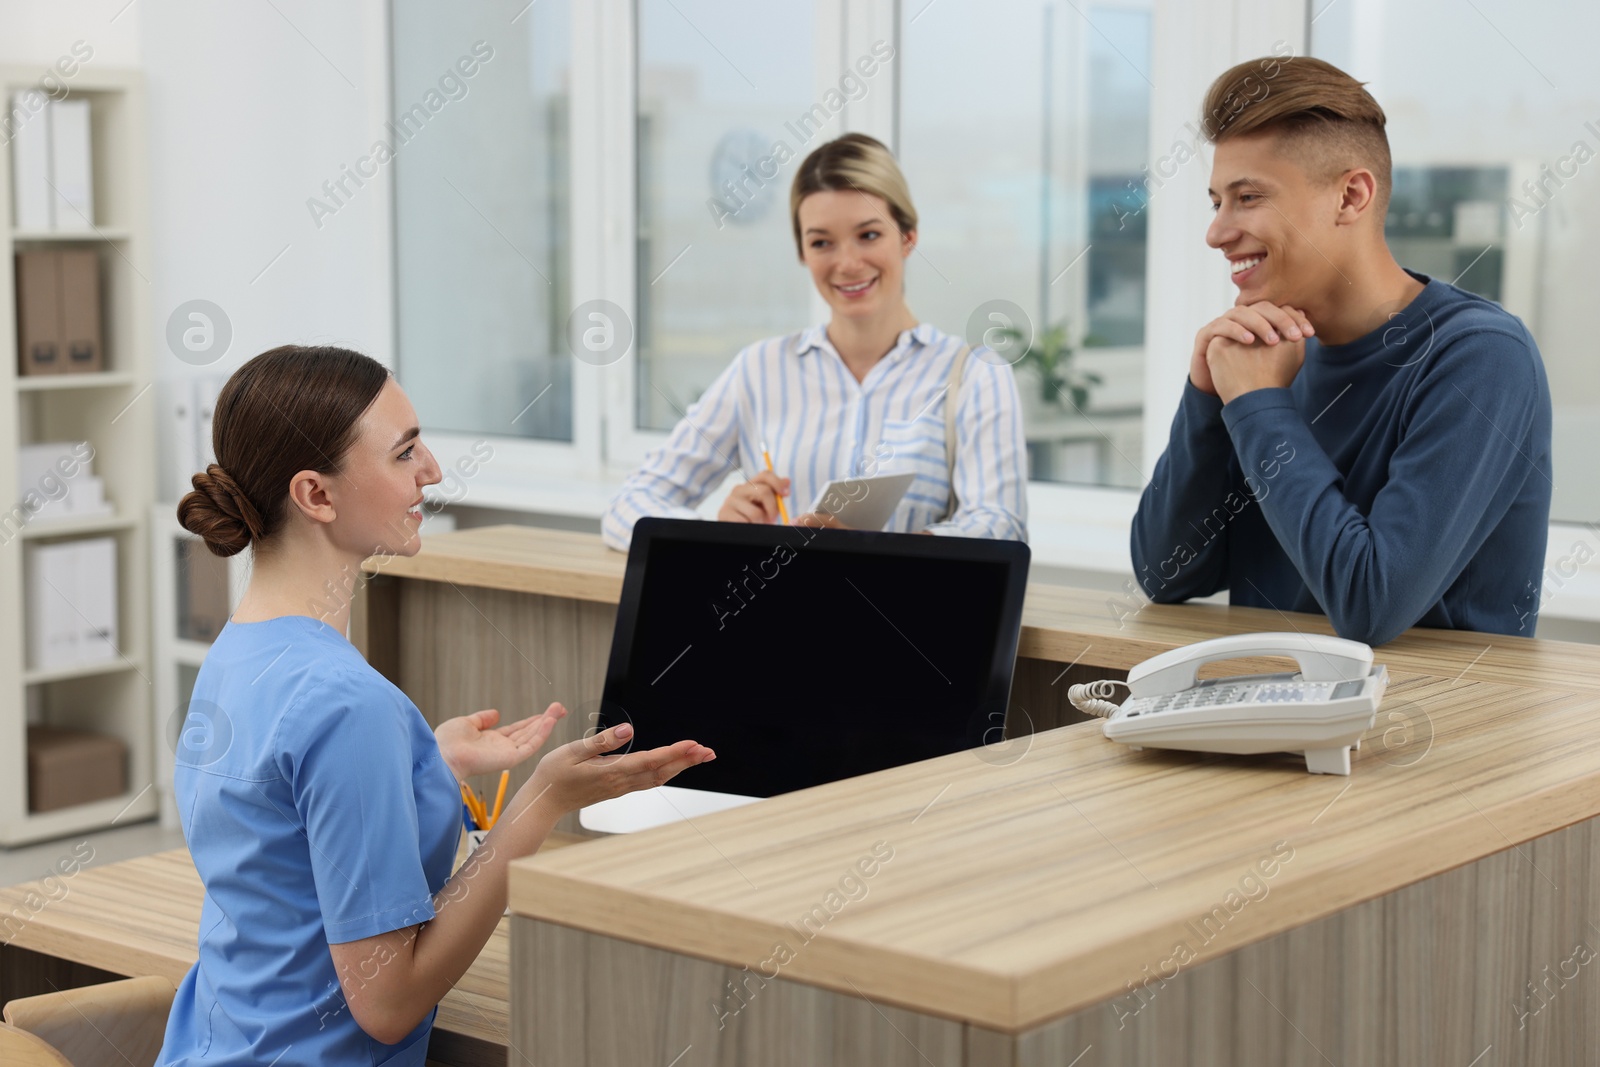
x,y
559,219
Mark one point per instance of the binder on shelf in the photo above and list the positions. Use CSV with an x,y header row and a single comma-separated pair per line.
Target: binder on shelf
x,y
31,198
71,166
81,342
202,591
205,406
38,313
71,614
97,589
186,464
193,402
58,311
52,637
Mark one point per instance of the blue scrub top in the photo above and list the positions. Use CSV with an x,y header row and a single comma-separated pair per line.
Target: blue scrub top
x,y
318,811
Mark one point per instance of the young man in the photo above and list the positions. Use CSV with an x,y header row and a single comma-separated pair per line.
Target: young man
x,y
1354,438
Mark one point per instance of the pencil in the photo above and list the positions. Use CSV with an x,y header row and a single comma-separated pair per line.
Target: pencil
x,y
479,816
767,458
499,798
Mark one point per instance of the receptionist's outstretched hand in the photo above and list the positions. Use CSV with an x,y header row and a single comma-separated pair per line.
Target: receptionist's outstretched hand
x,y
584,772
755,500
471,744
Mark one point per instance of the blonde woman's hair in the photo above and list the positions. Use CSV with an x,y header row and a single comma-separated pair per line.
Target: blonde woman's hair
x,y
854,161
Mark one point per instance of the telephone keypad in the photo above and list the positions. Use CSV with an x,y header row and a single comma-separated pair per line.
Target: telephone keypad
x,y
1207,695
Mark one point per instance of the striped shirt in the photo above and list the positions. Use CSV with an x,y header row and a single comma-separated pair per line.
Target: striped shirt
x,y
796,394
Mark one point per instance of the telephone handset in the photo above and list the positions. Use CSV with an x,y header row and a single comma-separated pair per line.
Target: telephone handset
x,y
1321,710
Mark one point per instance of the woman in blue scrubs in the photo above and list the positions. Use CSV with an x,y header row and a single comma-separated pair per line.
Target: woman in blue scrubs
x,y
322,813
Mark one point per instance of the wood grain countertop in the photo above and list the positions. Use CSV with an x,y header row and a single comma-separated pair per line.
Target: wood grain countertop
x,y
1025,886
1021,889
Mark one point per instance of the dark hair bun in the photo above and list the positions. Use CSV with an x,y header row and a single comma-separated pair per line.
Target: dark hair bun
x,y
219,512
290,409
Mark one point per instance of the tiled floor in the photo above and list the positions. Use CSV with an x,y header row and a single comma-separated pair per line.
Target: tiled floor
x,y
125,842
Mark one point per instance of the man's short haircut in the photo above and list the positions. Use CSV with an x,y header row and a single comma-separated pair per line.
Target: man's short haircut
x,y
1320,115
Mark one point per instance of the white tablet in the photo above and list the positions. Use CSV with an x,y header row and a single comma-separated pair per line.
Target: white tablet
x,y
863,503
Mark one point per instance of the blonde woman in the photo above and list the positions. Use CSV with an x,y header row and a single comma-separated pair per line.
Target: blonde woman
x,y
864,395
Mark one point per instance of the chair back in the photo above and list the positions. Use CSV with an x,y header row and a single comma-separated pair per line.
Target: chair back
x,y
115,1024
18,1048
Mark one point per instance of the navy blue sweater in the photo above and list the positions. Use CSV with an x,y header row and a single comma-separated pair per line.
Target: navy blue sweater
x,y
1402,480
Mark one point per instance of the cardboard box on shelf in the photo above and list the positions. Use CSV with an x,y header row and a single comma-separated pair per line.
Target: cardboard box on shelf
x,y
68,767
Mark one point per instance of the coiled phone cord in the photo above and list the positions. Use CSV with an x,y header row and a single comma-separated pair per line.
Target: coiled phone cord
x,y
1094,698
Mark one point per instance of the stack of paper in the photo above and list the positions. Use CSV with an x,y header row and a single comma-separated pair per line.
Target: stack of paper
x,y
57,481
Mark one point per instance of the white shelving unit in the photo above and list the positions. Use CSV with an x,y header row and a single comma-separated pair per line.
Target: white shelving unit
x,y
177,657
115,411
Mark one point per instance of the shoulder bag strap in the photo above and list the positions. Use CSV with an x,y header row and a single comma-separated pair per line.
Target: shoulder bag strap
x,y
952,402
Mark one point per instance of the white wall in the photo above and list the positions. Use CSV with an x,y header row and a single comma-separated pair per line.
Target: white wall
x,y
31,32
252,107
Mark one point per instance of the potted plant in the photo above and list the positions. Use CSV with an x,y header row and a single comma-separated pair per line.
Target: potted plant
x,y
1050,360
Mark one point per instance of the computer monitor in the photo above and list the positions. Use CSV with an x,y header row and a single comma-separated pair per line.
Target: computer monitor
x,y
803,655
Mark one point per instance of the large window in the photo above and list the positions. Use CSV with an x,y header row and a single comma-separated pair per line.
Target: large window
x,y
636,155
1028,184
1494,134
479,142
720,89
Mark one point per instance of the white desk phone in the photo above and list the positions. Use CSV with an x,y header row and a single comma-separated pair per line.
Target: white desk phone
x,y
1320,710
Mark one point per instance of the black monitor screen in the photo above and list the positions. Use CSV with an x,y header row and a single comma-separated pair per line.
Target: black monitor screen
x,y
805,656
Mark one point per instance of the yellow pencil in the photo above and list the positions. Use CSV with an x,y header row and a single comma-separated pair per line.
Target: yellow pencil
x,y
767,458
499,798
474,805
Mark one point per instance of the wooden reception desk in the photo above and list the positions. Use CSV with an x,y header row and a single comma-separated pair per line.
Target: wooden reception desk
x,y
1054,898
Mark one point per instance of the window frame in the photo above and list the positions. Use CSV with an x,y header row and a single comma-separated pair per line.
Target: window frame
x,y
1079,527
